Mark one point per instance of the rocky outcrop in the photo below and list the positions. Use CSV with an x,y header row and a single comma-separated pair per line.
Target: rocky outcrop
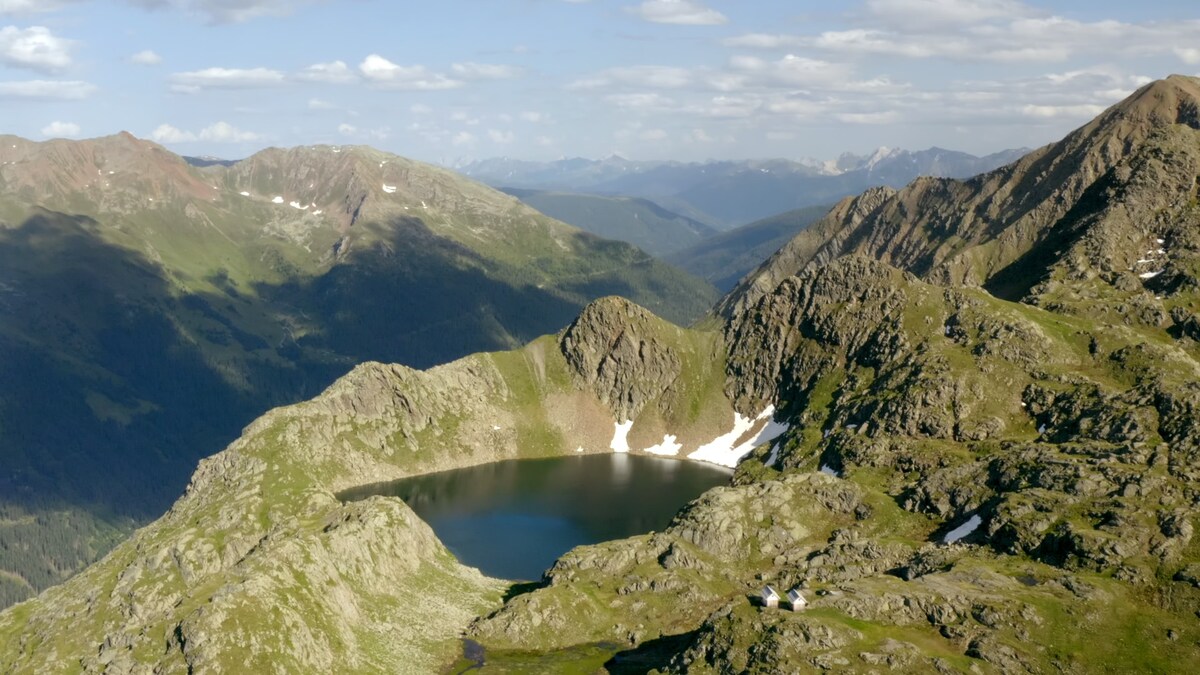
x,y
623,353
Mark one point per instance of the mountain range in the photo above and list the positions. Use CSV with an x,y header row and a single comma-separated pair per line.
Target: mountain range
x,y
727,194
984,405
149,309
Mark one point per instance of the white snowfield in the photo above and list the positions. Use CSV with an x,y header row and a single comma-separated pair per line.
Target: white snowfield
x,y
620,441
277,200
390,189
722,450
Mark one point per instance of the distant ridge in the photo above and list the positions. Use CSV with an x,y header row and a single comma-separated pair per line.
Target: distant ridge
x,y
731,193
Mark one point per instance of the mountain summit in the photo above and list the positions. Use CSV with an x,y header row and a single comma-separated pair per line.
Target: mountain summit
x,y
1095,204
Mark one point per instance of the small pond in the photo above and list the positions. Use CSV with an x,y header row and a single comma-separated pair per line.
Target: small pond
x,y
512,519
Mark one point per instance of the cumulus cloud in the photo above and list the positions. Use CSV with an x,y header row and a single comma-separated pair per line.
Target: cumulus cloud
x,y
226,78
35,48
347,129
334,72
484,71
65,90
220,132
58,129
463,138
320,104
383,72
683,12
146,57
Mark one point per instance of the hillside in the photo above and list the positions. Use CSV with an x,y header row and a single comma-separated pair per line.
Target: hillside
x,y
150,309
968,480
636,221
725,258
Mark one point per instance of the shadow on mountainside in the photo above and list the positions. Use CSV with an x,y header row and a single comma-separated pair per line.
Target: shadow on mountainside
x,y
117,380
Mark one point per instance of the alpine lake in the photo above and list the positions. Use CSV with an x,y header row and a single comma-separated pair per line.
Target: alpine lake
x,y
513,519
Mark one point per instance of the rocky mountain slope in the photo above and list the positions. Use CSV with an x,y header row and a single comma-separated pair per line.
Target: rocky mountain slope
x,y
966,481
150,309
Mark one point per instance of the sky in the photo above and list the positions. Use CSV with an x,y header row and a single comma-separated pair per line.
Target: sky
x,y
449,81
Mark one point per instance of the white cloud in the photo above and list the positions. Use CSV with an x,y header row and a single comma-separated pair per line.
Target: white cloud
x,y
226,78
58,129
347,129
532,117
883,117
334,72
23,7
146,57
47,89
220,132
463,138
35,48
1081,111
683,12
320,104
643,101
658,77
1189,55
653,135
385,73
945,12
502,137
484,71
225,11
420,109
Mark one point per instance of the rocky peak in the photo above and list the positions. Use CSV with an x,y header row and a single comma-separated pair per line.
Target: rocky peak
x,y
623,353
1009,229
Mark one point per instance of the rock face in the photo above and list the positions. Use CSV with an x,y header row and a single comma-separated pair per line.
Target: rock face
x,y
968,483
613,350
1088,207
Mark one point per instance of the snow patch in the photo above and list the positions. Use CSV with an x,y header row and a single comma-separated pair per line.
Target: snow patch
x,y
244,194
669,446
721,450
829,471
296,205
963,530
620,440
277,200
579,449
1150,275
389,188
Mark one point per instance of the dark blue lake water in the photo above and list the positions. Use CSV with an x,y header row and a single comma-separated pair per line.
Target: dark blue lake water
x,y
512,519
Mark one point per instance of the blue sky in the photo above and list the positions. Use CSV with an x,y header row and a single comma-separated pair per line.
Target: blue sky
x,y
649,79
